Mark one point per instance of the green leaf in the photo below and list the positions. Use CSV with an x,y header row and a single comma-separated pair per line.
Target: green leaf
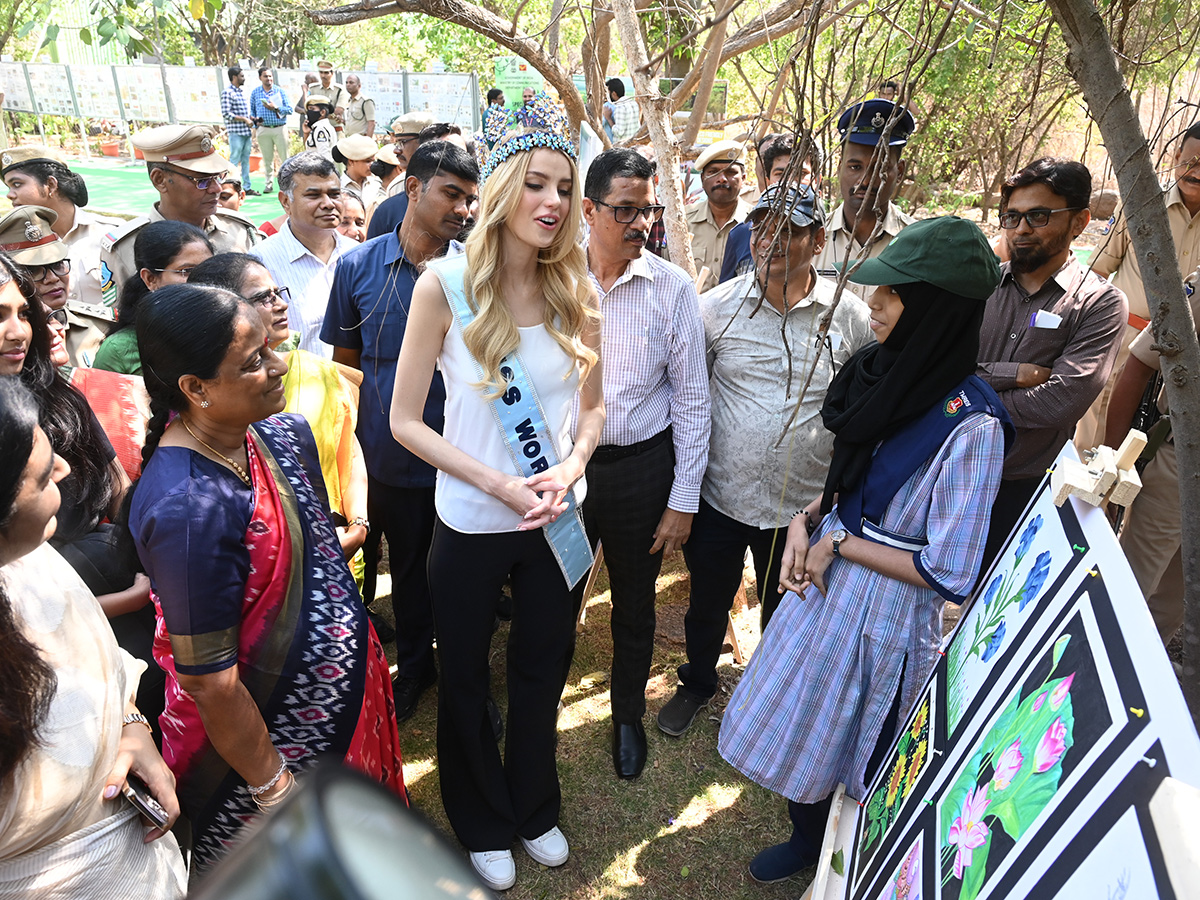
x,y
123,37
107,28
24,30
685,872
85,35
837,863
1060,647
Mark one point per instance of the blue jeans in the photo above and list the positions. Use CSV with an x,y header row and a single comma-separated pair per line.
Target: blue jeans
x,y
239,155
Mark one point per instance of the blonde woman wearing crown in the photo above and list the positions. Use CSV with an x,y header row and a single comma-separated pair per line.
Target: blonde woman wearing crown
x,y
513,325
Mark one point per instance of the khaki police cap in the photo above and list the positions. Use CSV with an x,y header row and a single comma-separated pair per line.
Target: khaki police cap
x,y
26,235
318,99
357,146
387,154
188,147
324,64
19,156
411,123
722,151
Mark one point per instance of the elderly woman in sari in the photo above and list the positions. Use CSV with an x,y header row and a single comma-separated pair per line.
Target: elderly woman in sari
x,y
269,655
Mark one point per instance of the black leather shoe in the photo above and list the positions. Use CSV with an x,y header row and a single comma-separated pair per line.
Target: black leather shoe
x,y
629,749
407,693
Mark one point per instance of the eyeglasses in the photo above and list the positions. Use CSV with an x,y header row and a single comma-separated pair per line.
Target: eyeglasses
x,y
57,315
271,296
60,268
627,215
1037,218
184,272
202,183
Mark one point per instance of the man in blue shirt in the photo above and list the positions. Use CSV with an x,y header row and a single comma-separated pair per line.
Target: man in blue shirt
x,y
270,107
365,322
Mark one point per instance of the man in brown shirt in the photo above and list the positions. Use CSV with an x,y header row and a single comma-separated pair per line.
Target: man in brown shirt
x,y
1051,330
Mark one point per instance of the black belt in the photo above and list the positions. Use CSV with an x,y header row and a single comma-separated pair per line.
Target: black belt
x,y
612,452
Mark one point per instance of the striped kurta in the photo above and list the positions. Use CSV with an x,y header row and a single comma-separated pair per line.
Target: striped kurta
x,y
812,702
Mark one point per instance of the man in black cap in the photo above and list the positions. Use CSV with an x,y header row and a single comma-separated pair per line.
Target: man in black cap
x,y
769,452
873,137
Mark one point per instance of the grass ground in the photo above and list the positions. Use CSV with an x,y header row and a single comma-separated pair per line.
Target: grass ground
x,y
685,829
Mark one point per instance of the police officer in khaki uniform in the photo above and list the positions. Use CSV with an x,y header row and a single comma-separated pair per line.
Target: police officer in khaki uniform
x,y
35,175
187,171
722,168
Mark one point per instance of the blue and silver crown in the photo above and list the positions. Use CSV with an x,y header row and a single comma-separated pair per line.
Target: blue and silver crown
x,y
530,140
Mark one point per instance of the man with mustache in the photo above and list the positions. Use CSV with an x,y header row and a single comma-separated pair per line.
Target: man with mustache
x,y
722,169
868,177
1152,534
302,255
365,323
1117,262
769,450
1050,332
644,478
186,169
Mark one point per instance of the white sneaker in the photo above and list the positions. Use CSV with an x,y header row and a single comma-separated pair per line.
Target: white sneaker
x,y
496,868
550,849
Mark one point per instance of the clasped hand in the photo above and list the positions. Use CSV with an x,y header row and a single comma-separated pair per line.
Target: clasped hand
x,y
540,498
803,565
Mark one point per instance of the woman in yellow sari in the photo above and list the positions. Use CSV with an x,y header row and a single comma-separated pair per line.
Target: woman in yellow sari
x,y
324,392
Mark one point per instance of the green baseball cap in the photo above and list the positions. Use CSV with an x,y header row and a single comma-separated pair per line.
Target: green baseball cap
x,y
947,252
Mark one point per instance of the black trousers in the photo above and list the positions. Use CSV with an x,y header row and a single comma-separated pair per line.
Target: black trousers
x,y
490,802
625,502
405,517
1010,503
809,819
715,555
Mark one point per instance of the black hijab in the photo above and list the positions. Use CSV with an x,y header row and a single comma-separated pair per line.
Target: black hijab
x,y
933,346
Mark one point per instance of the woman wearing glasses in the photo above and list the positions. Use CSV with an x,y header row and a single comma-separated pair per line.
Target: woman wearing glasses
x,y
164,253
324,392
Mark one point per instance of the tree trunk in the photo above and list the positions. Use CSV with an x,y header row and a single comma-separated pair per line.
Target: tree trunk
x,y
1092,63
708,75
656,113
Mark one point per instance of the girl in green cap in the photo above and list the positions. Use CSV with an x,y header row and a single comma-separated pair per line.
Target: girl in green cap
x,y
919,447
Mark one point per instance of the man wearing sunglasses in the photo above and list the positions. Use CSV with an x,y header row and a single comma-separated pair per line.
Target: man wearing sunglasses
x,y
644,478
1051,330
187,171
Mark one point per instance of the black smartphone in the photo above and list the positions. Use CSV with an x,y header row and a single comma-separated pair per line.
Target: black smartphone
x,y
139,795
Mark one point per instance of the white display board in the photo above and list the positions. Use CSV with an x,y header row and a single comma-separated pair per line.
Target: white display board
x,y
196,93
387,90
143,95
16,88
96,92
1028,766
449,97
51,89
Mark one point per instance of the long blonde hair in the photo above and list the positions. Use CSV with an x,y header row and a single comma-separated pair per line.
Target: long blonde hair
x,y
561,274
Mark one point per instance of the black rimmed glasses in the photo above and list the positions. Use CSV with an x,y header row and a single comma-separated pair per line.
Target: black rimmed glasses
x,y
271,296
57,315
60,268
1037,218
627,215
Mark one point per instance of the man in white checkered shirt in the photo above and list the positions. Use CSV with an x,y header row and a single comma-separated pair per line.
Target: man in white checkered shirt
x,y
644,478
626,117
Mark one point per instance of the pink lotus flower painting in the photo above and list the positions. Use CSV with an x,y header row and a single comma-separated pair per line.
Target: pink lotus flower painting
x,y
968,831
1050,748
1008,766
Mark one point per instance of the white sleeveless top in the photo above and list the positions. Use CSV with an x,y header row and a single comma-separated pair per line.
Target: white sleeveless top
x,y
471,426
